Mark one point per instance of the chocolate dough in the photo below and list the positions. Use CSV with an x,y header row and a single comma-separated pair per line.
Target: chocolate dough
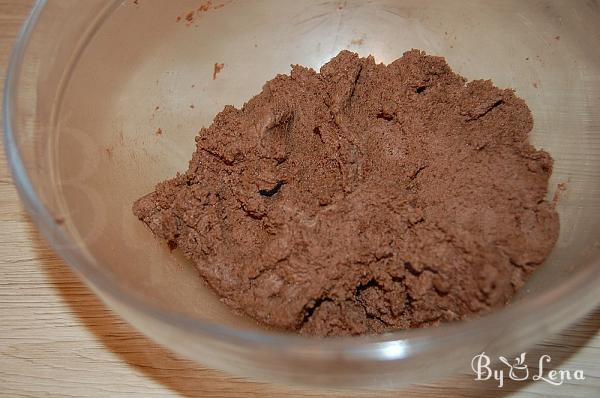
x,y
362,199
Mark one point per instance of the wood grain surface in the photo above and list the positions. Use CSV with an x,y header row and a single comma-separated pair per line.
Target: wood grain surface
x,y
58,340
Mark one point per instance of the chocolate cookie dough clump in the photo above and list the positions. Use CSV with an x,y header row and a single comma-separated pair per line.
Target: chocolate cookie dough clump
x,y
363,198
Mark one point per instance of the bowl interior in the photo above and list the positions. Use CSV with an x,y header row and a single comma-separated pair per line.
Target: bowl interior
x,y
144,67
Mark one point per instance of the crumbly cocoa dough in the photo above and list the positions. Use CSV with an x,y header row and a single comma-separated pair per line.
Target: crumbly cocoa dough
x,y
362,199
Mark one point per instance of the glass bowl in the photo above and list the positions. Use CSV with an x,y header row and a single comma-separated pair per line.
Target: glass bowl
x,y
91,83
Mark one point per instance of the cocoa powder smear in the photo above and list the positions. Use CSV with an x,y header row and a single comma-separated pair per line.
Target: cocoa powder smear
x,y
363,199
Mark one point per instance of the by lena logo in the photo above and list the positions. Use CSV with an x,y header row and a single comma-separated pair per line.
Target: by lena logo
x,y
519,371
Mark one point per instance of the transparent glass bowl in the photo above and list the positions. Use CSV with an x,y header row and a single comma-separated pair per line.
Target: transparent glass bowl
x,y
90,82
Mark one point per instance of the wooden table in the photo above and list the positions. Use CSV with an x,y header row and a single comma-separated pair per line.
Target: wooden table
x,y
58,339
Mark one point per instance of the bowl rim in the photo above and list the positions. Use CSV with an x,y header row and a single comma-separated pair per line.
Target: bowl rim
x,y
380,347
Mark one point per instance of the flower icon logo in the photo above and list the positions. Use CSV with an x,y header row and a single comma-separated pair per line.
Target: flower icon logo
x,y
517,371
